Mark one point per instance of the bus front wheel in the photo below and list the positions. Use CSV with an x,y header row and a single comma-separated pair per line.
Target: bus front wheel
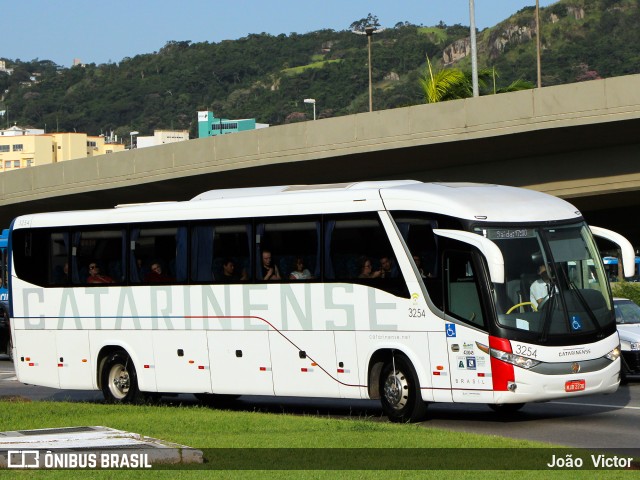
x,y
400,391
119,379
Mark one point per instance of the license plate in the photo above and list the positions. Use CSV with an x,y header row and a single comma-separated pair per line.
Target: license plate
x,y
574,386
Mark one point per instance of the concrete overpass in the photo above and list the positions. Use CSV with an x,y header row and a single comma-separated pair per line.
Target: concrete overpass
x,y
578,141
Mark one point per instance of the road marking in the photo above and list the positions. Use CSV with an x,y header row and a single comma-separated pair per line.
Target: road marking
x,y
596,405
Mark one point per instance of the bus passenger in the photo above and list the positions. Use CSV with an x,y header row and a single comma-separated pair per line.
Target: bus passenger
x,y
61,274
299,272
269,270
229,273
418,262
156,275
366,268
387,268
95,276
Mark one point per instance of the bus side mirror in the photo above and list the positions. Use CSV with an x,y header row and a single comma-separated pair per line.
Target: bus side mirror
x,y
628,254
488,248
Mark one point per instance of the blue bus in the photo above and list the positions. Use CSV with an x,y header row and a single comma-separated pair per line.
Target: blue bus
x,y
5,334
611,266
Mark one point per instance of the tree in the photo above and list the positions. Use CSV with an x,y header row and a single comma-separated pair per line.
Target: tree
x,y
453,83
369,21
445,84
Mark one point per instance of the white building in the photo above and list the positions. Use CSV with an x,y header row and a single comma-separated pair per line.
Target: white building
x,y
160,137
17,131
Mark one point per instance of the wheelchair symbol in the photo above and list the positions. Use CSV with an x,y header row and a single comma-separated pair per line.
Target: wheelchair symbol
x,y
575,323
451,330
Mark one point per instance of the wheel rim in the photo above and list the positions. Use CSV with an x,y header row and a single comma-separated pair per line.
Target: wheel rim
x,y
396,388
119,381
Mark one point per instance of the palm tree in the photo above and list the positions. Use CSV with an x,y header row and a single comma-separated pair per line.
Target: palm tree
x,y
445,84
453,83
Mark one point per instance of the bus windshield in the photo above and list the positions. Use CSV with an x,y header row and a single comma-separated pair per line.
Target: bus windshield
x,y
555,285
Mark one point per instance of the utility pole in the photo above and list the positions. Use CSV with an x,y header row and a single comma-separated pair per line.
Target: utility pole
x,y
474,49
539,60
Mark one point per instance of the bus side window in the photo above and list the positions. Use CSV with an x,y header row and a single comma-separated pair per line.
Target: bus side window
x,y
105,248
31,254
153,254
231,242
349,238
288,239
462,292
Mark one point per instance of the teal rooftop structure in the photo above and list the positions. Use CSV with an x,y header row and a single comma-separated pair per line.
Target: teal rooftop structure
x,y
210,126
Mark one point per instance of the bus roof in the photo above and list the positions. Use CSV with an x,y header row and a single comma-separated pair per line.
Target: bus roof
x,y
472,201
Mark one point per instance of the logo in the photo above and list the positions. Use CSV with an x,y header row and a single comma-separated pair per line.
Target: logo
x,y
471,363
23,459
450,328
576,322
575,367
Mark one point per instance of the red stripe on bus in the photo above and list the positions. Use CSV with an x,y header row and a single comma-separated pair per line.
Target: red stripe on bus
x,y
244,317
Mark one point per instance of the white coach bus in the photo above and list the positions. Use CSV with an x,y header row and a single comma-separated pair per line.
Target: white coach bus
x,y
401,291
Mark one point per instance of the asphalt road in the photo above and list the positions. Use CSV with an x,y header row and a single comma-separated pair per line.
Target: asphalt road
x,y
602,421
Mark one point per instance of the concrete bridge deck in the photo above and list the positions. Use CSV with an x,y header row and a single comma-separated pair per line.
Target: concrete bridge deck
x,y
576,141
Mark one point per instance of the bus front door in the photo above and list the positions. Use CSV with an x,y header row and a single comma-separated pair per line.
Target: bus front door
x,y
470,367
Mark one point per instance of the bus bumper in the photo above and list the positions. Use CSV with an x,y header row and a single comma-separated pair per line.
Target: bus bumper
x,y
535,387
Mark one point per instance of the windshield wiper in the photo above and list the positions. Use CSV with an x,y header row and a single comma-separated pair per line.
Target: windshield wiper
x,y
584,303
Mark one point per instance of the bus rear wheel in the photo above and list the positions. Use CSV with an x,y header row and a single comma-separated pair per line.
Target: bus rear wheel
x,y
400,391
119,379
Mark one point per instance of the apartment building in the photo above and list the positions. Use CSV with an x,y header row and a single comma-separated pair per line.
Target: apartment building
x,y
29,150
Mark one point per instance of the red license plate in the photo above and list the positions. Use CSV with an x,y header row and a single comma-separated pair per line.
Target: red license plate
x,y
574,386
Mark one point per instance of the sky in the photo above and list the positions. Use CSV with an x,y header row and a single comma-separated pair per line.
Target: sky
x,y
102,32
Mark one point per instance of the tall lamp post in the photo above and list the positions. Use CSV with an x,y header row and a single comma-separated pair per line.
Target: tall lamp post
x,y
369,31
313,101
131,134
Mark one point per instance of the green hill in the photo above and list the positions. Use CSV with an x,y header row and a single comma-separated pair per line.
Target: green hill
x,y
267,77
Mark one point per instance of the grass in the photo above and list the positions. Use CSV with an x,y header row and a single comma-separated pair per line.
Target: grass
x,y
302,68
203,428
437,35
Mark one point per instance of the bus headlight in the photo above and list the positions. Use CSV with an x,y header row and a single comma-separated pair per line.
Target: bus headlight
x,y
635,346
513,359
613,354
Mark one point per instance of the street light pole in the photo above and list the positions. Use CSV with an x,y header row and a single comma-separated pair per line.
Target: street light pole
x,y
538,44
369,31
313,101
131,134
474,49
